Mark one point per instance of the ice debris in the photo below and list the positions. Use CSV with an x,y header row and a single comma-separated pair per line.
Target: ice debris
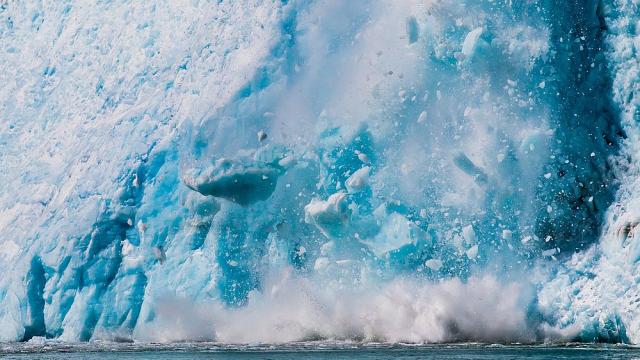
x,y
329,216
241,182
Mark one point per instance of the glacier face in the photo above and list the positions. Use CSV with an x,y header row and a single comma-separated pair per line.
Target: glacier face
x,y
596,292
247,171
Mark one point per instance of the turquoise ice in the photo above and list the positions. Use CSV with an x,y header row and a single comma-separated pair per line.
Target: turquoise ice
x,y
271,171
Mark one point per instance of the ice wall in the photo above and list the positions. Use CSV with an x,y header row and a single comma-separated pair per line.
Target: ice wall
x,y
178,170
93,96
596,293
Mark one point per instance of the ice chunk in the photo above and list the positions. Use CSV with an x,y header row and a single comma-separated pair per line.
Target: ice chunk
x,y
472,252
471,42
262,136
241,182
422,118
469,234
287,162
396,231
433,264
362,156
468,167
358,180
329,216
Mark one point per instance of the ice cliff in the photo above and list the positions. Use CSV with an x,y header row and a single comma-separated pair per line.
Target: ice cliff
x,y
271,171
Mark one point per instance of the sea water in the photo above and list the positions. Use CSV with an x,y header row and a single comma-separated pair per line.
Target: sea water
x,y
315,351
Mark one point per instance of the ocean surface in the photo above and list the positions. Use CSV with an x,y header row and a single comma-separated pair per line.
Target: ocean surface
x,y
314,351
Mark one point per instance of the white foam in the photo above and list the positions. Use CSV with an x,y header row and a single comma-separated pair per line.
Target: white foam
x,y
399,311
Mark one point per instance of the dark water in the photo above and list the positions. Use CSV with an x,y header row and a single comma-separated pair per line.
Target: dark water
x,y
59,351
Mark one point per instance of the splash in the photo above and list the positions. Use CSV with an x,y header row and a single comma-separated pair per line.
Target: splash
x,y
294,309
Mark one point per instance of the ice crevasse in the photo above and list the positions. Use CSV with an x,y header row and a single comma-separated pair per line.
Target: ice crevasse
x,y
270,171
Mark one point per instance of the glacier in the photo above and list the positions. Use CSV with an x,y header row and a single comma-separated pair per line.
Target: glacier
x,y
272,171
